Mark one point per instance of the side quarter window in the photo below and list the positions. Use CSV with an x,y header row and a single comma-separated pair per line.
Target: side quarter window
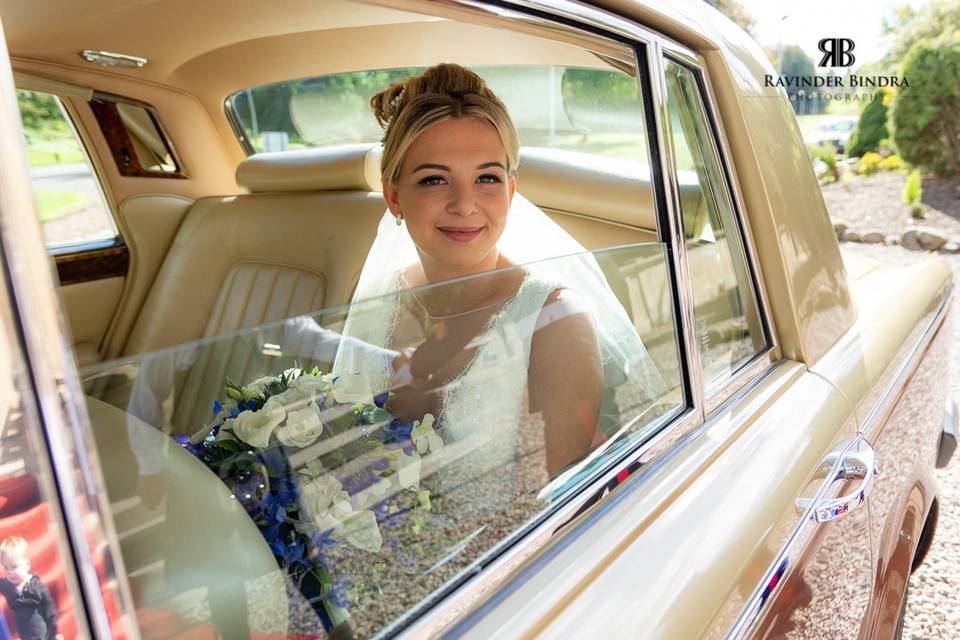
x,y
69,201
728,322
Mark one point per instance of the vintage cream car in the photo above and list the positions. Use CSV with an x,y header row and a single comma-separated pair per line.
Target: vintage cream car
x,y
226,171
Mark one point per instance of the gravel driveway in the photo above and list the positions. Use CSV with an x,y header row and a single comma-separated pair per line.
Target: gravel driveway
x,y
933,609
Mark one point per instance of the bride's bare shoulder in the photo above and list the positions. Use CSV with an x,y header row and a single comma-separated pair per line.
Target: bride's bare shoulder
x,y
565,304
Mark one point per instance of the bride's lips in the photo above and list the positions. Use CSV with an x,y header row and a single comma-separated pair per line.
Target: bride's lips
x,y
461,234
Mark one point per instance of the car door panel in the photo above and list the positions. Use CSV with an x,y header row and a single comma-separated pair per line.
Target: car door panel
x,y
713,482
891,366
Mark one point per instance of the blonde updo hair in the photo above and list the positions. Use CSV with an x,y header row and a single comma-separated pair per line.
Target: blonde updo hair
x,y
444,91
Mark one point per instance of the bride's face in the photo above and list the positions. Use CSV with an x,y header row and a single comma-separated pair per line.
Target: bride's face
x,y
454,193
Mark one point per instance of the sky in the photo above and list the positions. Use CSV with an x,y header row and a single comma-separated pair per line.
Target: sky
x,y
804,23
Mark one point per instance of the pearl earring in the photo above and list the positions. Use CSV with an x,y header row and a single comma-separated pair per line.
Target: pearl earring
x,y
399,219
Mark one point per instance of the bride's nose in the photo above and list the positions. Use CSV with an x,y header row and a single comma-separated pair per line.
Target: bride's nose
x,y
463,200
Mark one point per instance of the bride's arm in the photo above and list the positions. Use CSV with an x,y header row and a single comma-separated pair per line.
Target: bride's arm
x,y
565,378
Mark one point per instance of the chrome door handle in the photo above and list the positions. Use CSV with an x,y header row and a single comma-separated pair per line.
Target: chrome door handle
x,y
859,463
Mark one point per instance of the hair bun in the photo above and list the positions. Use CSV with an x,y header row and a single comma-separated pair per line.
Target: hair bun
x,y
387,103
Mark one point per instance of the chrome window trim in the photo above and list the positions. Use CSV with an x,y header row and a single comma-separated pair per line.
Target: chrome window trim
x,y
752,611
716,393
56,388
674,225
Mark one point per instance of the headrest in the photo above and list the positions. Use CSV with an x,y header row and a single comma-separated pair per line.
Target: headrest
x,y
575,182
345,167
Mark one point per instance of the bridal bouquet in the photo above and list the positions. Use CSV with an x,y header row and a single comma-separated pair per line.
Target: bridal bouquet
x,y
317,461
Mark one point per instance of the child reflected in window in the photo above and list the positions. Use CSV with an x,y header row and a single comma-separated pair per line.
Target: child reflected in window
x,y
34,611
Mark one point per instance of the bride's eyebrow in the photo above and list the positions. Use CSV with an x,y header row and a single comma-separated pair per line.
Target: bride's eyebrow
x,y
443,167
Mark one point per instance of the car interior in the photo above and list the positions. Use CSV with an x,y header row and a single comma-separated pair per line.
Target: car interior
x,y
212,239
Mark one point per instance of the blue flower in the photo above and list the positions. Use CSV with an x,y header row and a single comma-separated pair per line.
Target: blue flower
x,y
217,407
381,399
338,592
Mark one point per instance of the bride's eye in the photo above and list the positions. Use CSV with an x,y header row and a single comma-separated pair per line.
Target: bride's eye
x,y
489,178
431,181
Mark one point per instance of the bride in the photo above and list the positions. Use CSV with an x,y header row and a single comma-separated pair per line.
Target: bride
x,y
515,330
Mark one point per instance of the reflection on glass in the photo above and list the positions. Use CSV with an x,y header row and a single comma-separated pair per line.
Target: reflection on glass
x,y
728,319
37,585
274,495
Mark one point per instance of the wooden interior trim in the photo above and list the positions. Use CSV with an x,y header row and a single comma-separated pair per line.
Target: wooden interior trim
x,y
94,264
121,147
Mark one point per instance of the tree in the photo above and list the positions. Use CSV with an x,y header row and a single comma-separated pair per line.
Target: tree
x,y
908,25
925,115
871,127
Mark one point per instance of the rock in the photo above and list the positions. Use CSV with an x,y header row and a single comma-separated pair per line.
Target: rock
x,y
851,236
892,240
950,247
839,226
922,239
873,237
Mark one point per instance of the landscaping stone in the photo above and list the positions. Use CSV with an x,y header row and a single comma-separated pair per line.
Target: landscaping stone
x,y
951,247
873,237
839,226
923,239
851,236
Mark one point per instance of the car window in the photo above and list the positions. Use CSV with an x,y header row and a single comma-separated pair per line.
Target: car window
x,y
232,460
556,107
68,198
728,325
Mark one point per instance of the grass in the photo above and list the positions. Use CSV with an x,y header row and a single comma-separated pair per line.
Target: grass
x,y
53,204
53,145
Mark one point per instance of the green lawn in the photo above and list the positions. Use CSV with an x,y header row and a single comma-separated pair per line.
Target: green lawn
x,y
53,145
53,204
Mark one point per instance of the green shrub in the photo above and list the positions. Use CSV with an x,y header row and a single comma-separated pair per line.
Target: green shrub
x,y
870,163
912,188
913,194
826,153
925,115
893,162
871,128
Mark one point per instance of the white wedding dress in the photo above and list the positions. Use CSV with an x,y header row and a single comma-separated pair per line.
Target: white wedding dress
x,y
484,408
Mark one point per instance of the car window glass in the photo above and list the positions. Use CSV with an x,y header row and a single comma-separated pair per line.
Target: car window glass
x,y
727,316
67,194
254,492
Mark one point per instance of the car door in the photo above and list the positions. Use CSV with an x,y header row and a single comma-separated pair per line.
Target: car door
x,y
825,565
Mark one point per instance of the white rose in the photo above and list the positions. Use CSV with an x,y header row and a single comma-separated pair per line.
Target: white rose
x,y
303,427
350,388
314,385
325,501
255,427
292,399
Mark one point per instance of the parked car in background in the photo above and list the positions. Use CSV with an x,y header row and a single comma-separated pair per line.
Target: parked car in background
x,y
836,132
207,183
